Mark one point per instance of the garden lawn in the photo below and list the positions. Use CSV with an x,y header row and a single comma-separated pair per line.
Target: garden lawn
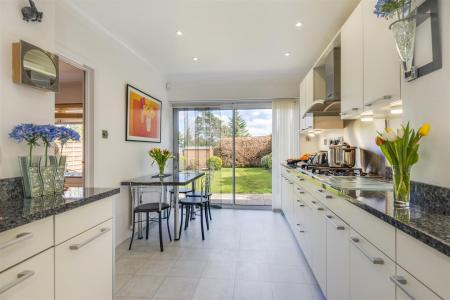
x,y
248,181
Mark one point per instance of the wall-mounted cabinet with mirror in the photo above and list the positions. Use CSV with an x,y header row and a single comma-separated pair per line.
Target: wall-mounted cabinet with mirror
x,y
35,67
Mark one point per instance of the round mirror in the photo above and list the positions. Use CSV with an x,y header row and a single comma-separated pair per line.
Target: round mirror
x,y
39,68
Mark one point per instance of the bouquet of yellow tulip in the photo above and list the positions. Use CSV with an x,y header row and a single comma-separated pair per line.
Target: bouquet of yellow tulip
x,y
401,150
160,157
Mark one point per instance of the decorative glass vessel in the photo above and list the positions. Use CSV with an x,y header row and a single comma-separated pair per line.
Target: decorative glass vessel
x,y
404,31
48,176
59,163
31,176
402,185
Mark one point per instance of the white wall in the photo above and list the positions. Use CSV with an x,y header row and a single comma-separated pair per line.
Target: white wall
x,y
427,99
114,65
19,104
233,86
67,33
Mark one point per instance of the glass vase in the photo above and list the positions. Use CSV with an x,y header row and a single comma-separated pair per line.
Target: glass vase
x,y
161,170
404,32
31,176
402,185
48,169
59,163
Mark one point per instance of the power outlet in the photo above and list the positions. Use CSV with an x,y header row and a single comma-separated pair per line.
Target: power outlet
x,y
105,134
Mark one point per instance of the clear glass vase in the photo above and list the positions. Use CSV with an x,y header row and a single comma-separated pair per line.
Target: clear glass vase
x,y
59,163
48,169
31,176
404,31
402,185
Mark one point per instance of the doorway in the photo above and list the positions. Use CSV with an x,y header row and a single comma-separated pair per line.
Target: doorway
x,y
70,107
233,146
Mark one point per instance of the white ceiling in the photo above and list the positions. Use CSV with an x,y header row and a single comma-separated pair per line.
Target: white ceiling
x,y
227,36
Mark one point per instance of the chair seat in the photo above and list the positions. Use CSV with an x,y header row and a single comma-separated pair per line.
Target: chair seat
x,y
182,190
196,194
191,200
151,207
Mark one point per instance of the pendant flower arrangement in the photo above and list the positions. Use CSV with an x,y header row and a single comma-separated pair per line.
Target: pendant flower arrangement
x,y
401,150
403,29
160,157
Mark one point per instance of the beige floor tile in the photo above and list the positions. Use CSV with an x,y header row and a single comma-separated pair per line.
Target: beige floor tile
x,y
219,270
120,281
156,267
177,288
252,271
251,290
129,265
187,268
214,289
286,274
141,286
296,291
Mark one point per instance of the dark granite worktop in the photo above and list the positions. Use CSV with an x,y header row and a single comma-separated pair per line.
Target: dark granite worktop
x,y
16,210
176,178
427,218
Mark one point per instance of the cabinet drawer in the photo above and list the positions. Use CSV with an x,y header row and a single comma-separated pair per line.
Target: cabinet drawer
x,y
378,232
25,241
31,279
76,221
409,287
426,264
83,265
370,271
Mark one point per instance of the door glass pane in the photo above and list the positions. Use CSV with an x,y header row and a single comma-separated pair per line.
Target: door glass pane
x,y
253,174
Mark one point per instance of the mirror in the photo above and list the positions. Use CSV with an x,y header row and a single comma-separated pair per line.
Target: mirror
x,y
39,68
35,67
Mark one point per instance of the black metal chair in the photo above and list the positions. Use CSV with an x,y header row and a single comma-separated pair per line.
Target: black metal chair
x,y
153,207
196,199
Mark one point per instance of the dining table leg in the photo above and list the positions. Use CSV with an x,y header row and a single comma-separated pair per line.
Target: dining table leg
x,y
139,215
176,212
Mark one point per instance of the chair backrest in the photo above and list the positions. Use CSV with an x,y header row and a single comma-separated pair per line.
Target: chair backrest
x,y
205,185
158,193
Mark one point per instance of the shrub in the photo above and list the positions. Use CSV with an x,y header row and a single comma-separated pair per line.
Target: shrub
x,y
266,161
214,163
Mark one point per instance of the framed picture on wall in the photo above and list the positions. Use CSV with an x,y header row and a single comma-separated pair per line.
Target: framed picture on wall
x,y
143,116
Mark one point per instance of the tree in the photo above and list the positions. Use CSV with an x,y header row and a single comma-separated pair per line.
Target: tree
x,y
209,128
240,128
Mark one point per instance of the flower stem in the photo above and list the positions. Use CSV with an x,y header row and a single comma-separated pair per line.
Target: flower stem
x,y
31,151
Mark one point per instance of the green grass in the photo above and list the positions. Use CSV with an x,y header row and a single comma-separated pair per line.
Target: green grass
x,y
248,181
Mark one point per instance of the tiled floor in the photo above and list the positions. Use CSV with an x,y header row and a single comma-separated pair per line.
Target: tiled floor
x,y
247,254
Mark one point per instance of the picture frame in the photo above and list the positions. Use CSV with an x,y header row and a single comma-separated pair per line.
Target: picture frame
x,y
143,116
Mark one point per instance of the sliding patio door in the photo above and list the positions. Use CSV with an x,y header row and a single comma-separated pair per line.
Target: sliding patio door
x,y
233,146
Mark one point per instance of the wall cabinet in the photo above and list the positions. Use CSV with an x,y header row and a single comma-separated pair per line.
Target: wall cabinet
x,y
370,68
75,274
352,60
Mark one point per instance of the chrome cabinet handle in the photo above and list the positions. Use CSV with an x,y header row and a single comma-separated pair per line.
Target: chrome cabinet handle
x,y
82,244
400,282
19,238
21,277
301,178
374,260
299,228
301,204
315,206
327,196
300,191
338,227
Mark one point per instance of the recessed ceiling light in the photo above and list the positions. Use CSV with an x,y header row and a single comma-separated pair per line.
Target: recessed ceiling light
x,y
287,54
298,24
179,33
195,58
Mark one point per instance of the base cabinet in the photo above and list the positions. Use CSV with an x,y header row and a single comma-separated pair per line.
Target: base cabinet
x,y
409,287
31,279
370,271
338,261
83,265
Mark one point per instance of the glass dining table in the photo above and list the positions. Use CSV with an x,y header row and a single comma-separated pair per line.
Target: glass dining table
x,y
175,180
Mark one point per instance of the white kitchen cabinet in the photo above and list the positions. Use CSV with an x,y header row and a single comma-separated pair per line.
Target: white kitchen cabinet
x,y
382,68
352,63
370,271
302,104
31,279
409,287
83,265
317,229
309,84
338,261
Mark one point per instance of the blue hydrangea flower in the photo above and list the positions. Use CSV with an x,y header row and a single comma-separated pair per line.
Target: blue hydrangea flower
x,y
25,132
48,133
67,134
387,8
